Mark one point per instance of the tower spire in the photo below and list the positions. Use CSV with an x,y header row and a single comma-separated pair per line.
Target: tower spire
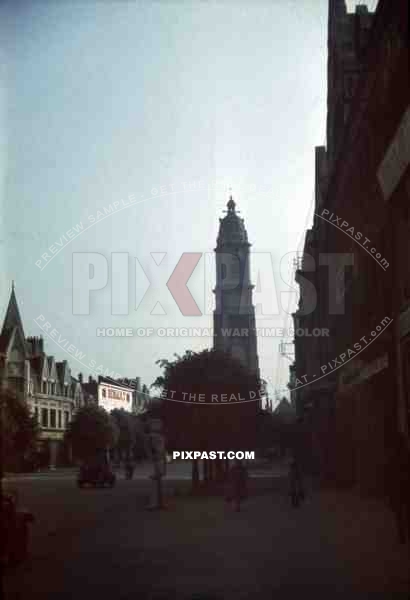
x,y
231,204
12,318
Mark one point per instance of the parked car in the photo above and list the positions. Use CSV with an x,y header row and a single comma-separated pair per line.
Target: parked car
x,y
14,531
97,475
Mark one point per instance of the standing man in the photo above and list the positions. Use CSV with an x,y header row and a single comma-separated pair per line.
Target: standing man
x,y
156,452
238,480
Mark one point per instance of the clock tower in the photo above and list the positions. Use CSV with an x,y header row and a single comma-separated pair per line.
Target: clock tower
x,y
234,315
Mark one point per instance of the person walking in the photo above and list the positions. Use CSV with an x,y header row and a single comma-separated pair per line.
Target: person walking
x,y
129,468
238,484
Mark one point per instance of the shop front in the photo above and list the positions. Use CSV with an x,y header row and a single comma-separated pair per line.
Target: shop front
x,y
365,413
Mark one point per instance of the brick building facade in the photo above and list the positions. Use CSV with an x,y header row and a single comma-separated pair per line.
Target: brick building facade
x,y
361,227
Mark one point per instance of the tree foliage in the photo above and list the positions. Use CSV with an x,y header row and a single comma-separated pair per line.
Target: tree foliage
x,y
19,431
190,424
91,430
131,437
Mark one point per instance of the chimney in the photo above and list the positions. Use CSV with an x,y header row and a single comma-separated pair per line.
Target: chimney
x,y
90,379
36,345
137,383
80,377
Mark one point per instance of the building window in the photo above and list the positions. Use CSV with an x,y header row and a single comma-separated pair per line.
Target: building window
x,y
43,387
66,418
104,393
52,418
60,424
44,417
36,415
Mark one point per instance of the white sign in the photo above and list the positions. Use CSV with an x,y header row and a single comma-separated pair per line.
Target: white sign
x,y
111,397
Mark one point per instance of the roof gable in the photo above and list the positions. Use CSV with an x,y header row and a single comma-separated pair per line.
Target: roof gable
x,y
12,318
14,341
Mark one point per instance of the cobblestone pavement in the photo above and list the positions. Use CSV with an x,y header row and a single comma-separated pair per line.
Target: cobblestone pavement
x,y
104,544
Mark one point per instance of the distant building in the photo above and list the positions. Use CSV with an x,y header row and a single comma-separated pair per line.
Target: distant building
x,y
110,394
140,396
45,384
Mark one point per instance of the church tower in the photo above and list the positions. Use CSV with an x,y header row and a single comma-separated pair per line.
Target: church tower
x,y
234,315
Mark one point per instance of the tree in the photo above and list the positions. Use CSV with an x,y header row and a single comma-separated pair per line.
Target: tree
x,y
91,430
126,431
131,437
211,425
19,431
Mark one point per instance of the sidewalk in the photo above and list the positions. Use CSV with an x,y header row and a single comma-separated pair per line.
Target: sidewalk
x,y
40,472
363,531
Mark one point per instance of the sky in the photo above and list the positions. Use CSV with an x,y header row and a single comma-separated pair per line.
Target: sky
x,y
161,109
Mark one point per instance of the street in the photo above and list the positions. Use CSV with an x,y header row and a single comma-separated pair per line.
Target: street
x,y
104,543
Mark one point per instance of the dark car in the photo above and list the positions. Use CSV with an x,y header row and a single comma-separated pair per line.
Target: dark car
x,y
97,475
